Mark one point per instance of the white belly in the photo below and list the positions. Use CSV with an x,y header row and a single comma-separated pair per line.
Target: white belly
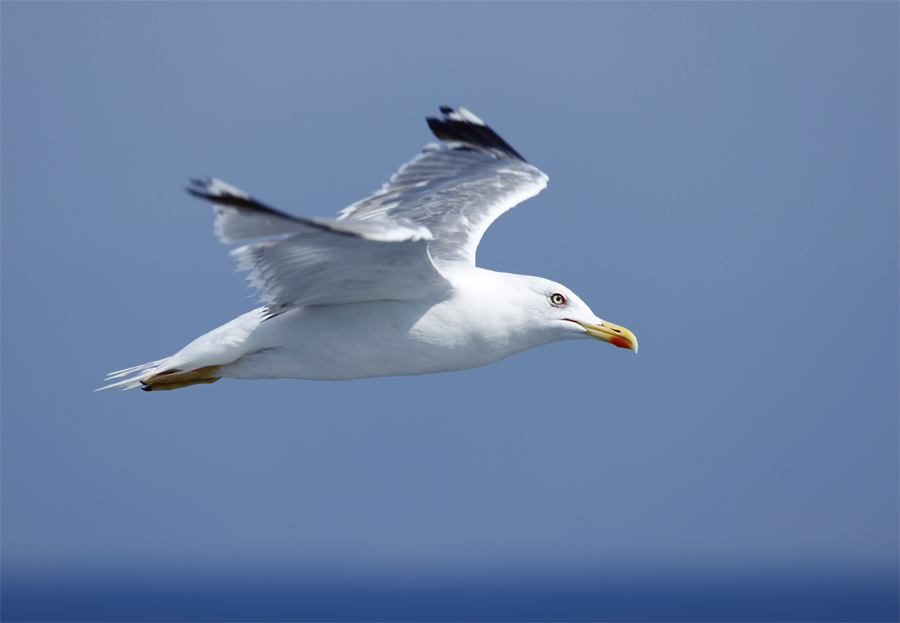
x,y
359,340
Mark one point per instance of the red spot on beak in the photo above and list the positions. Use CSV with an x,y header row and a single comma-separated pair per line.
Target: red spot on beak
x,y
621,342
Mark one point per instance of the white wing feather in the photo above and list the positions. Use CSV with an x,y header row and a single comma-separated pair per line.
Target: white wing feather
x,y
392,245
457,189
323,261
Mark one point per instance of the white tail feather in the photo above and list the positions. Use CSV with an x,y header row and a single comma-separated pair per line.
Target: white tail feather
x,y
134,374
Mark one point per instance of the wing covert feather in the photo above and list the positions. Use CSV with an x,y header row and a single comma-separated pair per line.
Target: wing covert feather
x,y
431,215
322,261
457,189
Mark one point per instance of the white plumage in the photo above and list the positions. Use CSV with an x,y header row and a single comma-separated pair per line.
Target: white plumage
x,y
388,288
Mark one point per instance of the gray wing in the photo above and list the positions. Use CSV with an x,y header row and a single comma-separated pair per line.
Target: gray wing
x,y
455,190
322,261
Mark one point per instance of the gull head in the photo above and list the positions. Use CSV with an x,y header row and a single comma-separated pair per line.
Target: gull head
x,y
570,317
541,311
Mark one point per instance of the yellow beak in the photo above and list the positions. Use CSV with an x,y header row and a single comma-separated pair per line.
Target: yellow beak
x,y
612,333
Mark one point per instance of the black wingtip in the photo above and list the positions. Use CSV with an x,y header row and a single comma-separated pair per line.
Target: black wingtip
x,y
198,193
224,195
461,126
200,188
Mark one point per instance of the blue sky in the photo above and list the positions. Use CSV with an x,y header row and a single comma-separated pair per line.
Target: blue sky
x,y
723,182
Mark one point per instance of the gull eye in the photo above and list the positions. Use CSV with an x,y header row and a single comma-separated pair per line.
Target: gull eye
x,y
557,299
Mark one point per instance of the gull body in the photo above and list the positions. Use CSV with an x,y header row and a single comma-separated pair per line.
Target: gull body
x,y
391,287
491,319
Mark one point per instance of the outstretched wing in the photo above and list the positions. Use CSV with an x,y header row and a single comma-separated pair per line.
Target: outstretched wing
x,y
455,190
322,261
390,246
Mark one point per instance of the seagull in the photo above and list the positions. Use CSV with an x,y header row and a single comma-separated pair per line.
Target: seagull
x,y
390,286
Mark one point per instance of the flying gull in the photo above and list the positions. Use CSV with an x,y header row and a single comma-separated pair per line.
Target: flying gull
x,y
390,286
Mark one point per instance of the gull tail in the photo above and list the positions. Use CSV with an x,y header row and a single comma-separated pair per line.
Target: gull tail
x,y
132,376
198,362
153,376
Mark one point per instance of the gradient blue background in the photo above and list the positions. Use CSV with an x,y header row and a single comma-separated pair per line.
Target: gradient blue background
x,y
724,182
